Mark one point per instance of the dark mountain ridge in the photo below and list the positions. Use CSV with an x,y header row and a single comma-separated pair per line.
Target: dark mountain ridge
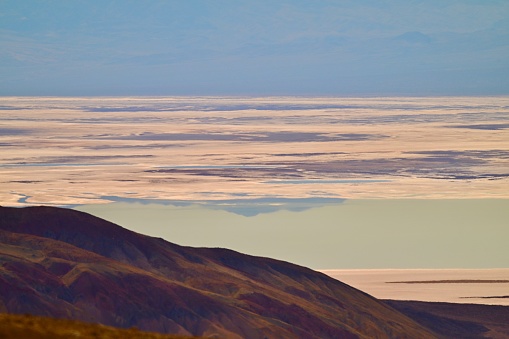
x,y
68,264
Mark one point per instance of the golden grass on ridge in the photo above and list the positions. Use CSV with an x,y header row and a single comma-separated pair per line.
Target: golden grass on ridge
x,y
15,326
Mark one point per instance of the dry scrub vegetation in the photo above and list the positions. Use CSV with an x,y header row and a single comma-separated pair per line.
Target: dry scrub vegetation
x,y
15,326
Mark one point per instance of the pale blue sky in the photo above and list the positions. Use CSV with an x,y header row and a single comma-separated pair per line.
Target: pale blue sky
x,y
368,47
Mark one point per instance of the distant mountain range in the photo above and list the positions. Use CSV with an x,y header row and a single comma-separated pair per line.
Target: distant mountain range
x,y
68,264
298,47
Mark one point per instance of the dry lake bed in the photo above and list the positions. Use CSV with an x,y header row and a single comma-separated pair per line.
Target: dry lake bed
x,y
66,151
468,286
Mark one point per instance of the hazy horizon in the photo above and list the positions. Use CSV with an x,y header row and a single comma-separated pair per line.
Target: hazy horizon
x,y
347,48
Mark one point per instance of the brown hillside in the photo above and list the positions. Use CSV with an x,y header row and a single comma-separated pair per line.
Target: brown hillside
x,y
468,321
64,263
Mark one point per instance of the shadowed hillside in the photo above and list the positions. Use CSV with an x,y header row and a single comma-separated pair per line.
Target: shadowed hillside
x,y
468,321
68,264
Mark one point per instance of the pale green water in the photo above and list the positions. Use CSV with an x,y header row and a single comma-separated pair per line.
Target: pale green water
x,y
353,234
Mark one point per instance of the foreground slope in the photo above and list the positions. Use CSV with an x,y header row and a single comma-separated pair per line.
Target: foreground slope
x,y
64,263
16,326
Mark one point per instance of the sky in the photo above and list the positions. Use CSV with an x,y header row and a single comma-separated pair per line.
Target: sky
x,y
297,47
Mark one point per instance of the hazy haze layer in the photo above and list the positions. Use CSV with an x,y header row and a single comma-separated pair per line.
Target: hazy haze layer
x,y
196,47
